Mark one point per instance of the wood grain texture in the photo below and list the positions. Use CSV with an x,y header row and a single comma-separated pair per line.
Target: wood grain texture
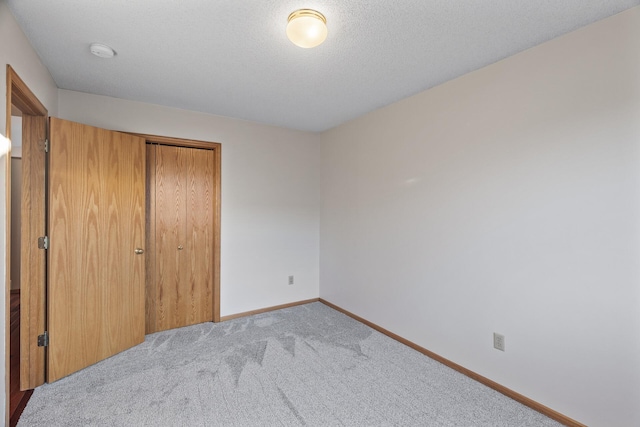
x,y
184,244
22,98
216,149
150,280
33,260
555,415
96,220
170,214
198,251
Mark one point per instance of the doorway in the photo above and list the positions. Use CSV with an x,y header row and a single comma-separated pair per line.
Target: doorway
x,y
26,128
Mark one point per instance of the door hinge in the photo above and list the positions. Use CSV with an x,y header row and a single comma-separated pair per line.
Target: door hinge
x,y
45,145
43,242
43,340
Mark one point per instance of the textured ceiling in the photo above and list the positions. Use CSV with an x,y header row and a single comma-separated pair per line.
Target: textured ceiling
x,y
232,57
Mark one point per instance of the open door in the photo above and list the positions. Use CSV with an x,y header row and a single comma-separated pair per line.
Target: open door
x,y
96,245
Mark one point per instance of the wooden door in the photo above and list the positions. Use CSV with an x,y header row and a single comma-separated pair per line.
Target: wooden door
x,y
181,219
96,226
198,268
32,261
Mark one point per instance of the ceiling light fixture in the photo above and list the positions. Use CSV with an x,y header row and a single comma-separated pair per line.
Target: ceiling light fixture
x,y
307,28
102,50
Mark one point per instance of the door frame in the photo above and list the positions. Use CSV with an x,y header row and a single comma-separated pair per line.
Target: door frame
x,y
21,98
216,147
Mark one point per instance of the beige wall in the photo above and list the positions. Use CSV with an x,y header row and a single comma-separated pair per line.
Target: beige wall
x,y
16,51
507,200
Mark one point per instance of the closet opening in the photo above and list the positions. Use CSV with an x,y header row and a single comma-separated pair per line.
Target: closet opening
x,y
182,232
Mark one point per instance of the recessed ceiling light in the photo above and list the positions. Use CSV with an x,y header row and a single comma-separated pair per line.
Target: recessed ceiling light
x,y
102,50
307,28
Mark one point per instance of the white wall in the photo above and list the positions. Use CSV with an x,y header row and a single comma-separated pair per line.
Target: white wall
x,y
270,195
506,200
16,51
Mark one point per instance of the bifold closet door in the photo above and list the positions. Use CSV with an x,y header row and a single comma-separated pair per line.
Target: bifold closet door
x,y
180,205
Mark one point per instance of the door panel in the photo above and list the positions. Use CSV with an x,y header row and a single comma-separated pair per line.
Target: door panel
x,y
151,297
32,262
96,221
170,214
199,229
181,205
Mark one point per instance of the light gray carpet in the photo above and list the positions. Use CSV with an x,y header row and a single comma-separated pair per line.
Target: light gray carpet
x,y
307,365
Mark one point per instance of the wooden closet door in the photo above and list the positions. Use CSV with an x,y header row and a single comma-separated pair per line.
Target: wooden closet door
x,y
97,235
182,203
170,217
199,230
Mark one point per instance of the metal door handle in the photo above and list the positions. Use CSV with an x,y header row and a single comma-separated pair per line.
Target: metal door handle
x,y
180,248
138,251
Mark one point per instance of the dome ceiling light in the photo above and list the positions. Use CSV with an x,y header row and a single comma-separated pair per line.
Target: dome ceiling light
x,y
307,28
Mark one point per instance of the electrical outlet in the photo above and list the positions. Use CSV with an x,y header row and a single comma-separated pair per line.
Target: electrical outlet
x,y
498,341
291,280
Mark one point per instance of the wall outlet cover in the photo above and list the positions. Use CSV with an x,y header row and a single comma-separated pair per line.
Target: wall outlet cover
x,y
498,341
